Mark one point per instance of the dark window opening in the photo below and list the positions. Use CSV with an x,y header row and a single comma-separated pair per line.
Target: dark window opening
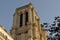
x,y
26,32
21,20
26,18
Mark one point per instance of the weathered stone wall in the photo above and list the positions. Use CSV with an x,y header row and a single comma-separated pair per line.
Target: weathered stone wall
x,y
31,31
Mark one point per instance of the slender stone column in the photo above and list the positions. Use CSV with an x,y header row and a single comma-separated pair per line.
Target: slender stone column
x,y
23,19
30,15
18,21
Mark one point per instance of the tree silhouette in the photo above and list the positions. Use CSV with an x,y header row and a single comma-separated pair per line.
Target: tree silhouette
x,y
53,29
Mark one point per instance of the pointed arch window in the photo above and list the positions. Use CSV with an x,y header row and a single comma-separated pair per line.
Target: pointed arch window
x,y
21,20
26,18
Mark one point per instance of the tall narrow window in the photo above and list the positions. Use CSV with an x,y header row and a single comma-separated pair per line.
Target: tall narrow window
x,y
26,18
21,20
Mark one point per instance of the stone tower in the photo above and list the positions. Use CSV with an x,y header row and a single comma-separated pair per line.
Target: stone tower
x,y
26,24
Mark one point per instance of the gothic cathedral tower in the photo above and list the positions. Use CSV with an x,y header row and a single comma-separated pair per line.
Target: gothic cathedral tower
x,y
26,25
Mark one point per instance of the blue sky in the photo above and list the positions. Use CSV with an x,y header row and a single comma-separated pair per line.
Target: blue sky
x,y
46,9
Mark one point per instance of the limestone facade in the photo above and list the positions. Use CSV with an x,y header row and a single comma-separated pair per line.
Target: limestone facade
x,y
4,35
26,24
